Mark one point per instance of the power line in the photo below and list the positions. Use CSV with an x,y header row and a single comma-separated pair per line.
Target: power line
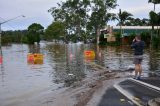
x,y
7,23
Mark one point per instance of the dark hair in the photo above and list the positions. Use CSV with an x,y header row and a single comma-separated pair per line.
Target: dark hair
x,y
138,37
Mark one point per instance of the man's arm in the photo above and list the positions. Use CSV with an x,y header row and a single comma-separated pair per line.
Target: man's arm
x,y
133,45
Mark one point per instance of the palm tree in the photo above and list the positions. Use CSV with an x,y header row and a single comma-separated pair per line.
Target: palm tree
x,y
154,2
122,17
155,21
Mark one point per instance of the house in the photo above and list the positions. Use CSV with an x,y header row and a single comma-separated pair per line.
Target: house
x,y
108,34
127,31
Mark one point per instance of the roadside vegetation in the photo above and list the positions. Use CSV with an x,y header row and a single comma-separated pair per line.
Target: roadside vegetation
x,y
82,20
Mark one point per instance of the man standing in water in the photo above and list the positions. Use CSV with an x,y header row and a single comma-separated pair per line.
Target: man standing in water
x,y
138,46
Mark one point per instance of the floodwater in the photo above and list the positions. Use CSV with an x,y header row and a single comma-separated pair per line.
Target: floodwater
x,y
63,64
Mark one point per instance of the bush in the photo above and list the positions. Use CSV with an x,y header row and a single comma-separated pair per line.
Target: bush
x,y
102,40
146,36
118,37
114,43
155,42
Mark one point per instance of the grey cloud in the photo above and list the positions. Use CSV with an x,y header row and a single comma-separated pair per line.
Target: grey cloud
x,y
36,11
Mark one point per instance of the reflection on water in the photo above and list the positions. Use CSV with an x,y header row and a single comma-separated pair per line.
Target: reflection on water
x,y
63,64
34,48
67,61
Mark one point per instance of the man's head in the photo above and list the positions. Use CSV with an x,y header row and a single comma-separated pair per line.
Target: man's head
x,y
138,37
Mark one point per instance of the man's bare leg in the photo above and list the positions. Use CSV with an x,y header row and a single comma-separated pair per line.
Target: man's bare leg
x,y
140,70
136,70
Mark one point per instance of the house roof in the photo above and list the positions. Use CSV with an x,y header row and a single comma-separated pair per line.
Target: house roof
x,y
135,27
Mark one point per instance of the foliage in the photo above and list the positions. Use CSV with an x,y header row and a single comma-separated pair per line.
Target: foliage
x,y
137,22
156,42
23,36
103,41
82,18
16,36
155,21
154,1
123,17
113,43
74,14
55,31
34,32
118,37
131,37
146,36
154,18
100,15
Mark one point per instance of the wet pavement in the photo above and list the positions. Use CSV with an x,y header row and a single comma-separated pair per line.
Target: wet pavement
x,y
137,90
130,93
153,81
113,97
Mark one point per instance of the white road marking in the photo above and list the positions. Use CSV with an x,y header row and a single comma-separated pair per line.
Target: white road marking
x,y
146,84
127,94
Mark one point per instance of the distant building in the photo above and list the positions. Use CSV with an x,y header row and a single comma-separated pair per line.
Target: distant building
x,y
108,34
126,31
129,30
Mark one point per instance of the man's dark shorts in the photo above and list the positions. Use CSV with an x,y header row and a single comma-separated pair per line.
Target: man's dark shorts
x,y
137,59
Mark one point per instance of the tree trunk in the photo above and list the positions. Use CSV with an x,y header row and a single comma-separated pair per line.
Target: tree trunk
x,y
152,33
78,29
121,30
157,31
98,34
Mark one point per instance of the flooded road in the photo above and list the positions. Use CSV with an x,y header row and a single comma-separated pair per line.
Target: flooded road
x,y
63,65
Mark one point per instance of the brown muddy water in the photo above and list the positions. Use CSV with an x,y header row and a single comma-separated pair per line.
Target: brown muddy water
x,y
63,65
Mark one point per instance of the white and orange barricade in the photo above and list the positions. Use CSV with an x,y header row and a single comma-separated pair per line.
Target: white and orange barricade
x,y
35,58
89,54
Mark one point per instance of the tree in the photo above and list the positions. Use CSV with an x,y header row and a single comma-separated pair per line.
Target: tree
x,y
73,13
34,32
137,22
154,2
100,15
155,21
122,17
82,16
154,18
17,36
55,31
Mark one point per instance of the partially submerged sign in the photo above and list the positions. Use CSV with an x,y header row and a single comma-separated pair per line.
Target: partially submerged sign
x,y
89,54
106,35
35,58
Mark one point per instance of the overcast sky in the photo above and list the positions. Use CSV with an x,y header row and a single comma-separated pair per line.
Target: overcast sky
x,y
36,11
